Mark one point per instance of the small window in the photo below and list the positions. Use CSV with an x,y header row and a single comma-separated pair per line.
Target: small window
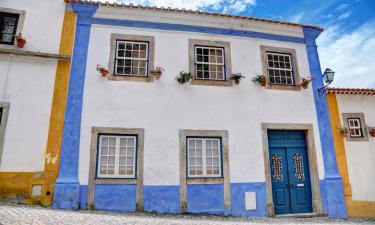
x,y
209,63
131,58
117,156
355,128
1,114
279,68
8,27
204,157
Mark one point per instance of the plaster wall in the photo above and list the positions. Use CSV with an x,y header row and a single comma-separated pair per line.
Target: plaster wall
x,y
360,154
163,107
27,84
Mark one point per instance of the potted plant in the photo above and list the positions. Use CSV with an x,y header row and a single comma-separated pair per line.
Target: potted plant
x,y
157,72
21,41
261,79
184,77
305,82
103,71
237,77
371,130
344,131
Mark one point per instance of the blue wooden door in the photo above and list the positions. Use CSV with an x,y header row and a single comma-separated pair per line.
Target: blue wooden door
x,y
291,188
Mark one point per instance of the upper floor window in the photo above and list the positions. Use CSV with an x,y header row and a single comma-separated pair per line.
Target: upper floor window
x,y
131,58
209,63
355,128
280,69
204,157
117,156
8,27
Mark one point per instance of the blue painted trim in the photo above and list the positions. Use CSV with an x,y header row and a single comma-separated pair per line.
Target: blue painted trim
x,y
66,194
237,192
334,192
196,29
161,198
115,197
205,199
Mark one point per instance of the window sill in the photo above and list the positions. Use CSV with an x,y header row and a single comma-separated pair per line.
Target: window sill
x,y
19,52
130,78
115,181
222,83
205,180
284,87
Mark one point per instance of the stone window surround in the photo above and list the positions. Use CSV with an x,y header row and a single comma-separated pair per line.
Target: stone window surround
x,y
184,181
227,62
93,163
361,117
21,20
151,55
3,123
313,165
292,52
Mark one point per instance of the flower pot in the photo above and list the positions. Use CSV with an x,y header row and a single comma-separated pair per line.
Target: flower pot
x,y
104,72
372,133
21,43
236,82
263,83
305,86
344,134
157,75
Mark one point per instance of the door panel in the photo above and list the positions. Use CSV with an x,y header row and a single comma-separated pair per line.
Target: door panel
x,y
299,179
291,188
280,180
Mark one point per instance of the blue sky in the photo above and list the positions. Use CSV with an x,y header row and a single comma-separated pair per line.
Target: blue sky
x,y
347,45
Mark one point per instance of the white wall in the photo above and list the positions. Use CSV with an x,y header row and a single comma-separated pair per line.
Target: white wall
x,y
27,84
163,107
360,155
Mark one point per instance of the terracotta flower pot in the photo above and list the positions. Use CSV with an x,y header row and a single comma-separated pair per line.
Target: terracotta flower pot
x,y
21,42
157,75
344,134
263,83
104,72
305,85
236,82
372,133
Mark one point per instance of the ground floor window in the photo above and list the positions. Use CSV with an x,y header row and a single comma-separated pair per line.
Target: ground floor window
x,y
204,157
117,156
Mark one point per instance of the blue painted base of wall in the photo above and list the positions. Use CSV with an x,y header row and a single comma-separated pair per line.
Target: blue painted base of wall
x,y
238,199
115,197
83,197
205,198
161,199
66,194
333,198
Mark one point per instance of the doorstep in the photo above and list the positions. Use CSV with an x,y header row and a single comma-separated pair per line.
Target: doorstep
x,y
301,215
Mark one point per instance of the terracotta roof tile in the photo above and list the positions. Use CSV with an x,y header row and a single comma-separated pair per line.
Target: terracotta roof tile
x,y
189,11
351,91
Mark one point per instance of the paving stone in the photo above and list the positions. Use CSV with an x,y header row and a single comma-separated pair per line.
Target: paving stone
x,y
36,215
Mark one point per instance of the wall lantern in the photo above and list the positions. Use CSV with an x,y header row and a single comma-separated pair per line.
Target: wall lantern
x,y
328,77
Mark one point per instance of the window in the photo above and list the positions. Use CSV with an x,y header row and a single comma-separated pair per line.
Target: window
x,y
204,157
1,114
4,111
279,67
8,27
117,156
355,128
131,58
356,125
209,63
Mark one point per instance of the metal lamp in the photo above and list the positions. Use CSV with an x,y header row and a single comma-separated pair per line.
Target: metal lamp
x,y
328,77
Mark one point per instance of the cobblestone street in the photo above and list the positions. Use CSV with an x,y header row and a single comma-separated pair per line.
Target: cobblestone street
x,y
16,214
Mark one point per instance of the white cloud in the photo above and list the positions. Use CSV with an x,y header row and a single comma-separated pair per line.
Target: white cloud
x,y
344,16
296,18
226,6
351,56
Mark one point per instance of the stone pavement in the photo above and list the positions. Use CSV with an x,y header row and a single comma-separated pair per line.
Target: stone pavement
x,y
20,214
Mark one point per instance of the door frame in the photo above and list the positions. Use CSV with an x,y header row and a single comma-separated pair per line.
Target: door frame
x,y
313,165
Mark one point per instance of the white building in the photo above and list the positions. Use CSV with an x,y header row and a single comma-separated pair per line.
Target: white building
x,y
27,81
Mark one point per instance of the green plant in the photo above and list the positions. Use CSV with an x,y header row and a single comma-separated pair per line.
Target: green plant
x,y
260,79
237,76
19,36
158,69
343,130
306,81
184,77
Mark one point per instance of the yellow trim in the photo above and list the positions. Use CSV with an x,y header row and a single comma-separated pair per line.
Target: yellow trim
x,y
355,208
17,185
